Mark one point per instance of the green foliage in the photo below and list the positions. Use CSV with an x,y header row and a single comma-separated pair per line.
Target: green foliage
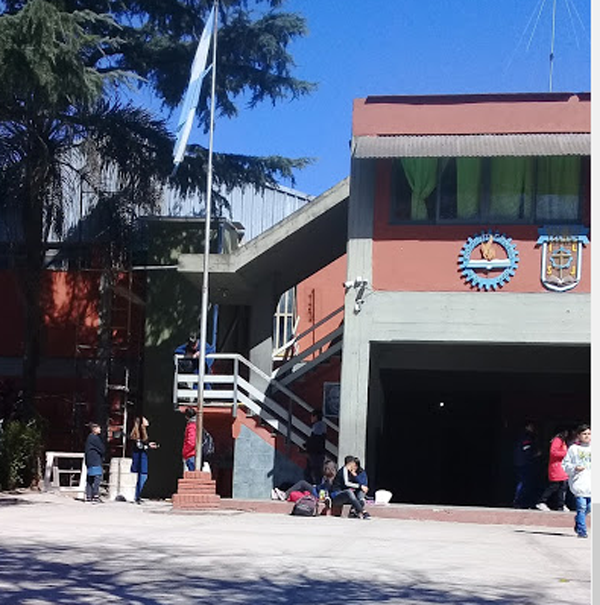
x,y
20,453
67,122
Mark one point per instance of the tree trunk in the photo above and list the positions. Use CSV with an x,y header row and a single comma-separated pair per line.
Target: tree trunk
x,y
103,357
31,272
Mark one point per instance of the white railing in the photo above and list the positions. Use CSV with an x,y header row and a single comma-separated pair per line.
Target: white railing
x,y
323,349
235,388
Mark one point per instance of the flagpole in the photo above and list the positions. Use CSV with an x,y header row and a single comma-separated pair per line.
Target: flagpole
x,y
207,220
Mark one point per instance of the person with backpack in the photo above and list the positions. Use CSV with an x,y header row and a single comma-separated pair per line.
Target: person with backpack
x,y
188,451
344,486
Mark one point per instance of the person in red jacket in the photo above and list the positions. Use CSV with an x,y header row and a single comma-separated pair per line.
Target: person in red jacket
x,y
557,477
188,451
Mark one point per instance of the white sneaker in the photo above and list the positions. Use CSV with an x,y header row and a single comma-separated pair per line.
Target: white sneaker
x,y
566,509
542,506
274,495
280,494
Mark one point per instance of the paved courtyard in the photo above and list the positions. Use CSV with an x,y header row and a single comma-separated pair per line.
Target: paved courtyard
x,y
54,549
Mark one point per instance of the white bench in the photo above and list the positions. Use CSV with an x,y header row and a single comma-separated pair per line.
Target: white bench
x,y
66,472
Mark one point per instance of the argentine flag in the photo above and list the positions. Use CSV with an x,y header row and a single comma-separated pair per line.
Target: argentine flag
x,y
192,95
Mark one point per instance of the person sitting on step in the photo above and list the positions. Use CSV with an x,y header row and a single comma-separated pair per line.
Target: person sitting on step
x,y
344,486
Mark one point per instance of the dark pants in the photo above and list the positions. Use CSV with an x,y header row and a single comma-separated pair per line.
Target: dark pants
x,y
314,468
301,486
349,497
92,487
555,487
524,490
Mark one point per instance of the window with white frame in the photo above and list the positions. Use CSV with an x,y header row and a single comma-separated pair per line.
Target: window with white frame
x,y
284,322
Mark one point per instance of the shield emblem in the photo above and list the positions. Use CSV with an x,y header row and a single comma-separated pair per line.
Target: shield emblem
x,y
562,255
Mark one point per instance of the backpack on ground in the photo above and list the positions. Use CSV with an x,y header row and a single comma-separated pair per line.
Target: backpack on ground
x,y
305,507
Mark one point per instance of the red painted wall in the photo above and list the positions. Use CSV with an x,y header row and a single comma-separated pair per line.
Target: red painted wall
x,y
472,114
69,302
316,297
424,258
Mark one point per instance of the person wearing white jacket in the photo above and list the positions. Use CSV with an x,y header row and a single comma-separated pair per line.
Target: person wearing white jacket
x,y
578,466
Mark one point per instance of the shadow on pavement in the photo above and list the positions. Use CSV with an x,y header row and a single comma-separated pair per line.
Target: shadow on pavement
x,y
7,501
130,573
541,532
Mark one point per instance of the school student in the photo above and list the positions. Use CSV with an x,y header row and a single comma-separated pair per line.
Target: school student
x,y
343,489
94,455
578,466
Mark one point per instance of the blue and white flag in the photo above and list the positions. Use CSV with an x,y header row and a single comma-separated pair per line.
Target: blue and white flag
x,y
192,95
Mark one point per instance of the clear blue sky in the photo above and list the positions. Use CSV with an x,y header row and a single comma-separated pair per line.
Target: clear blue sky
x,y
355,49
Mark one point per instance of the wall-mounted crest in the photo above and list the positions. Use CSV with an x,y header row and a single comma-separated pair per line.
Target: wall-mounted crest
x,y
562,252
488,260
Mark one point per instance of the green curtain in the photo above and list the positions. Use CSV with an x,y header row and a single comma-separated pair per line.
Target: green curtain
x,y
558,187
421,174
511,188
468,187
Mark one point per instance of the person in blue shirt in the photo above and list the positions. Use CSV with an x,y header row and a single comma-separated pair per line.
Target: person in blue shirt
x,y
94,456
189,364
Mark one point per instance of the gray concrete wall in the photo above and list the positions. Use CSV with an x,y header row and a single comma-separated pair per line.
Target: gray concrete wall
x,y
355,352
258,467
477,317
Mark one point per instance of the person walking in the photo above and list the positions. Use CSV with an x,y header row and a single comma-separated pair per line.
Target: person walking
x,y
139,456
94,456
578,466
526,455
557,477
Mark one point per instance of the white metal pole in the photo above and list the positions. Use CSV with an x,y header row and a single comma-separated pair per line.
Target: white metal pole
x,y
204,307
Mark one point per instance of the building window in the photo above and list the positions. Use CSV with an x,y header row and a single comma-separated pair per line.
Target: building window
x,y
284,322
499,190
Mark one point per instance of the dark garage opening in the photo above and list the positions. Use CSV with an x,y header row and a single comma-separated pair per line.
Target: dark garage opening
x,y
448,436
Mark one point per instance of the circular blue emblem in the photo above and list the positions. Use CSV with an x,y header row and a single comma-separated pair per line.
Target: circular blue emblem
x,y
488,272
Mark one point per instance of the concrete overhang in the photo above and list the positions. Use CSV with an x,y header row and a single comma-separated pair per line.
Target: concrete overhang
x,y
287,253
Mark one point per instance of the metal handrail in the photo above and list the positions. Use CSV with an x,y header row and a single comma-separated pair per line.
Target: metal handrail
x,y
237,358
295,339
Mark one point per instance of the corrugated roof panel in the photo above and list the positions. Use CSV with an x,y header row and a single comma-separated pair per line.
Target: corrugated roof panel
x,y
482,145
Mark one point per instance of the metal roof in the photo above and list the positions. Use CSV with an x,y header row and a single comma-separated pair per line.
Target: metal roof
x,y
477,145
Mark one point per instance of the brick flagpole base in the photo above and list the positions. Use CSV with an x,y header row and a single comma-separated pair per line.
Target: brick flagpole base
x,y
196,491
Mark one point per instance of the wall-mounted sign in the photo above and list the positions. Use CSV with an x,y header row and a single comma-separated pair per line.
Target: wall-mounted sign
x,y
488,260
331,399
562,254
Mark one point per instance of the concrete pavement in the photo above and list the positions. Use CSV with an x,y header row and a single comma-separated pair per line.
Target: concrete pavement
x,y
54,549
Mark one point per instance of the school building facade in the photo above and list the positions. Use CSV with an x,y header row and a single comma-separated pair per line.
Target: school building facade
x,y
469,224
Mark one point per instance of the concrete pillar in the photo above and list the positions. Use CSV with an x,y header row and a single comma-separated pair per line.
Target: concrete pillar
x,y
355,352
261,329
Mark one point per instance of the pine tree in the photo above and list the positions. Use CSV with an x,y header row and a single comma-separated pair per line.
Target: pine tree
x,y
66,67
